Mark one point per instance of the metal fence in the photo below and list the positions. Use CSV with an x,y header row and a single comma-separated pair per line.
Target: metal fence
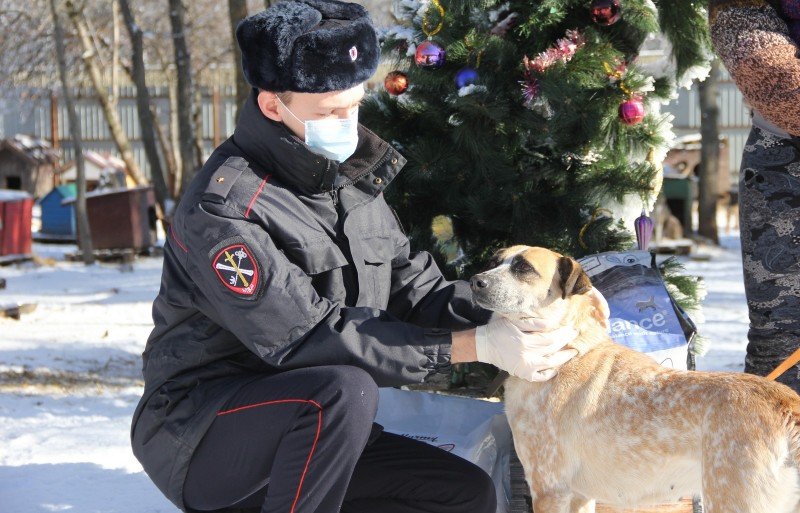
x,y
42,115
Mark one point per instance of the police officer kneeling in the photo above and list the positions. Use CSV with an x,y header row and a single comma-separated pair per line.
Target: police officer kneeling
x,y
289,294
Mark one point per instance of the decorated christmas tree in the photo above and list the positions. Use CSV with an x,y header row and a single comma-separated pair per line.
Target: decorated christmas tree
x,y
531,122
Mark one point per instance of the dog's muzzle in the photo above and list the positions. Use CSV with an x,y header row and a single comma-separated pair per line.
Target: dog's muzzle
x,y
479,283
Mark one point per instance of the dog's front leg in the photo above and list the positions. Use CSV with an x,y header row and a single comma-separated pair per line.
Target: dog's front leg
x,y
581,504
552,502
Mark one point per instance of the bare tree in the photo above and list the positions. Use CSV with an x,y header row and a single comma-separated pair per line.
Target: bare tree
x,y
115,51
143,107
81,217
26,47
168,71
76,14
197,122
183,64
238,11
165,147
27,63
708,190
169,155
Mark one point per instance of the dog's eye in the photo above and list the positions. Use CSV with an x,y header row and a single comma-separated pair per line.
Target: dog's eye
x,y
522,266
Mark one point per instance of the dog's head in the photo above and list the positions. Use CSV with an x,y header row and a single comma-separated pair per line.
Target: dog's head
x,y
525,281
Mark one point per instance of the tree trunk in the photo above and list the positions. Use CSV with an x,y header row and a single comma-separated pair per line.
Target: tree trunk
x,y
238,11
109,110
146,119
115,52
174,142
183,65
81,217
197,119
174,129
708,190
269,3
167,152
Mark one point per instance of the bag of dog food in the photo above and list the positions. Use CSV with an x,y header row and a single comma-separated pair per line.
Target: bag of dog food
x,y
643,315
475,430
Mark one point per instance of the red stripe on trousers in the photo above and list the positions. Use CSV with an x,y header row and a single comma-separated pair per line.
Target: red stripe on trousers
x,y
285,401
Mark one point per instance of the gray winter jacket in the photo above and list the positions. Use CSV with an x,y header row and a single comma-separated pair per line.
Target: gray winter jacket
x,y
279,259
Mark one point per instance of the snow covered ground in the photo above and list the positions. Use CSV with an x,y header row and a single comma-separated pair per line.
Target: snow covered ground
x,y
70,377
725,308
69,381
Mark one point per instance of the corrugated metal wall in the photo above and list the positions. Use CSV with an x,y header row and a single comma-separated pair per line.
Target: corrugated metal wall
x,y
33,117
734,118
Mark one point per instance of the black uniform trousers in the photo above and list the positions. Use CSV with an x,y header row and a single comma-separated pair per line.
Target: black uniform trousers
x,y
297,442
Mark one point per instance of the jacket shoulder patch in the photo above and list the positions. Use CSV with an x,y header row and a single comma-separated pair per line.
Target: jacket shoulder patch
x,y
225,176
236,268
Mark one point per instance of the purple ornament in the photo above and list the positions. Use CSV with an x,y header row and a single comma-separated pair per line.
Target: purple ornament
x,y
644,230
465,77
791,8
429,55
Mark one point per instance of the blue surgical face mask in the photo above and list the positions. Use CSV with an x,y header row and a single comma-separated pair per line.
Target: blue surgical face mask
x,y
333,138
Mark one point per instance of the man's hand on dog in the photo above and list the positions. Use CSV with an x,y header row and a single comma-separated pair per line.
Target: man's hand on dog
x,y
522,349
532,349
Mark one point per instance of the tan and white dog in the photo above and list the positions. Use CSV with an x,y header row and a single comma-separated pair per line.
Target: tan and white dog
x,y
616,427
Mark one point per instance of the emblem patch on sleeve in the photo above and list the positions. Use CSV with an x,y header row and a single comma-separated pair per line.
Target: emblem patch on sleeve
x,y
237,269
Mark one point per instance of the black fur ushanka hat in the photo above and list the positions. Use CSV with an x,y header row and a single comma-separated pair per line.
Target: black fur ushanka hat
x,y
310,46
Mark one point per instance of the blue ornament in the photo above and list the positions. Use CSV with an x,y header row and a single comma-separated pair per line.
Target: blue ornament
x,y
466,76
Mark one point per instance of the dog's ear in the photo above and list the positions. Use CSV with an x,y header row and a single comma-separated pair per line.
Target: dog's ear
x,y
572,278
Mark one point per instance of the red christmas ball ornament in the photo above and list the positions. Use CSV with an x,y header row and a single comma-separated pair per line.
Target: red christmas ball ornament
x,y
396,82
631,111
605,12
429,55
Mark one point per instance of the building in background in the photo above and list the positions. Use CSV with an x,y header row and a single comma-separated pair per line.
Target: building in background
x,y
58,215
27,164
103,170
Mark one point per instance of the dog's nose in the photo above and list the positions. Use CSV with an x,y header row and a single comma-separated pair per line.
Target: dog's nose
x,y
478,283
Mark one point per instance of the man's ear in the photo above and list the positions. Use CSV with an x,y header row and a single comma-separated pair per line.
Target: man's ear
x,y
572,278
268,104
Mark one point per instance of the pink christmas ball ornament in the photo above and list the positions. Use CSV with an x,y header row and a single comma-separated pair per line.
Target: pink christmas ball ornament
x,y
632,111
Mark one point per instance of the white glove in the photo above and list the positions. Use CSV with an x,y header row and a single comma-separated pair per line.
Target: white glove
x,y
522,349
